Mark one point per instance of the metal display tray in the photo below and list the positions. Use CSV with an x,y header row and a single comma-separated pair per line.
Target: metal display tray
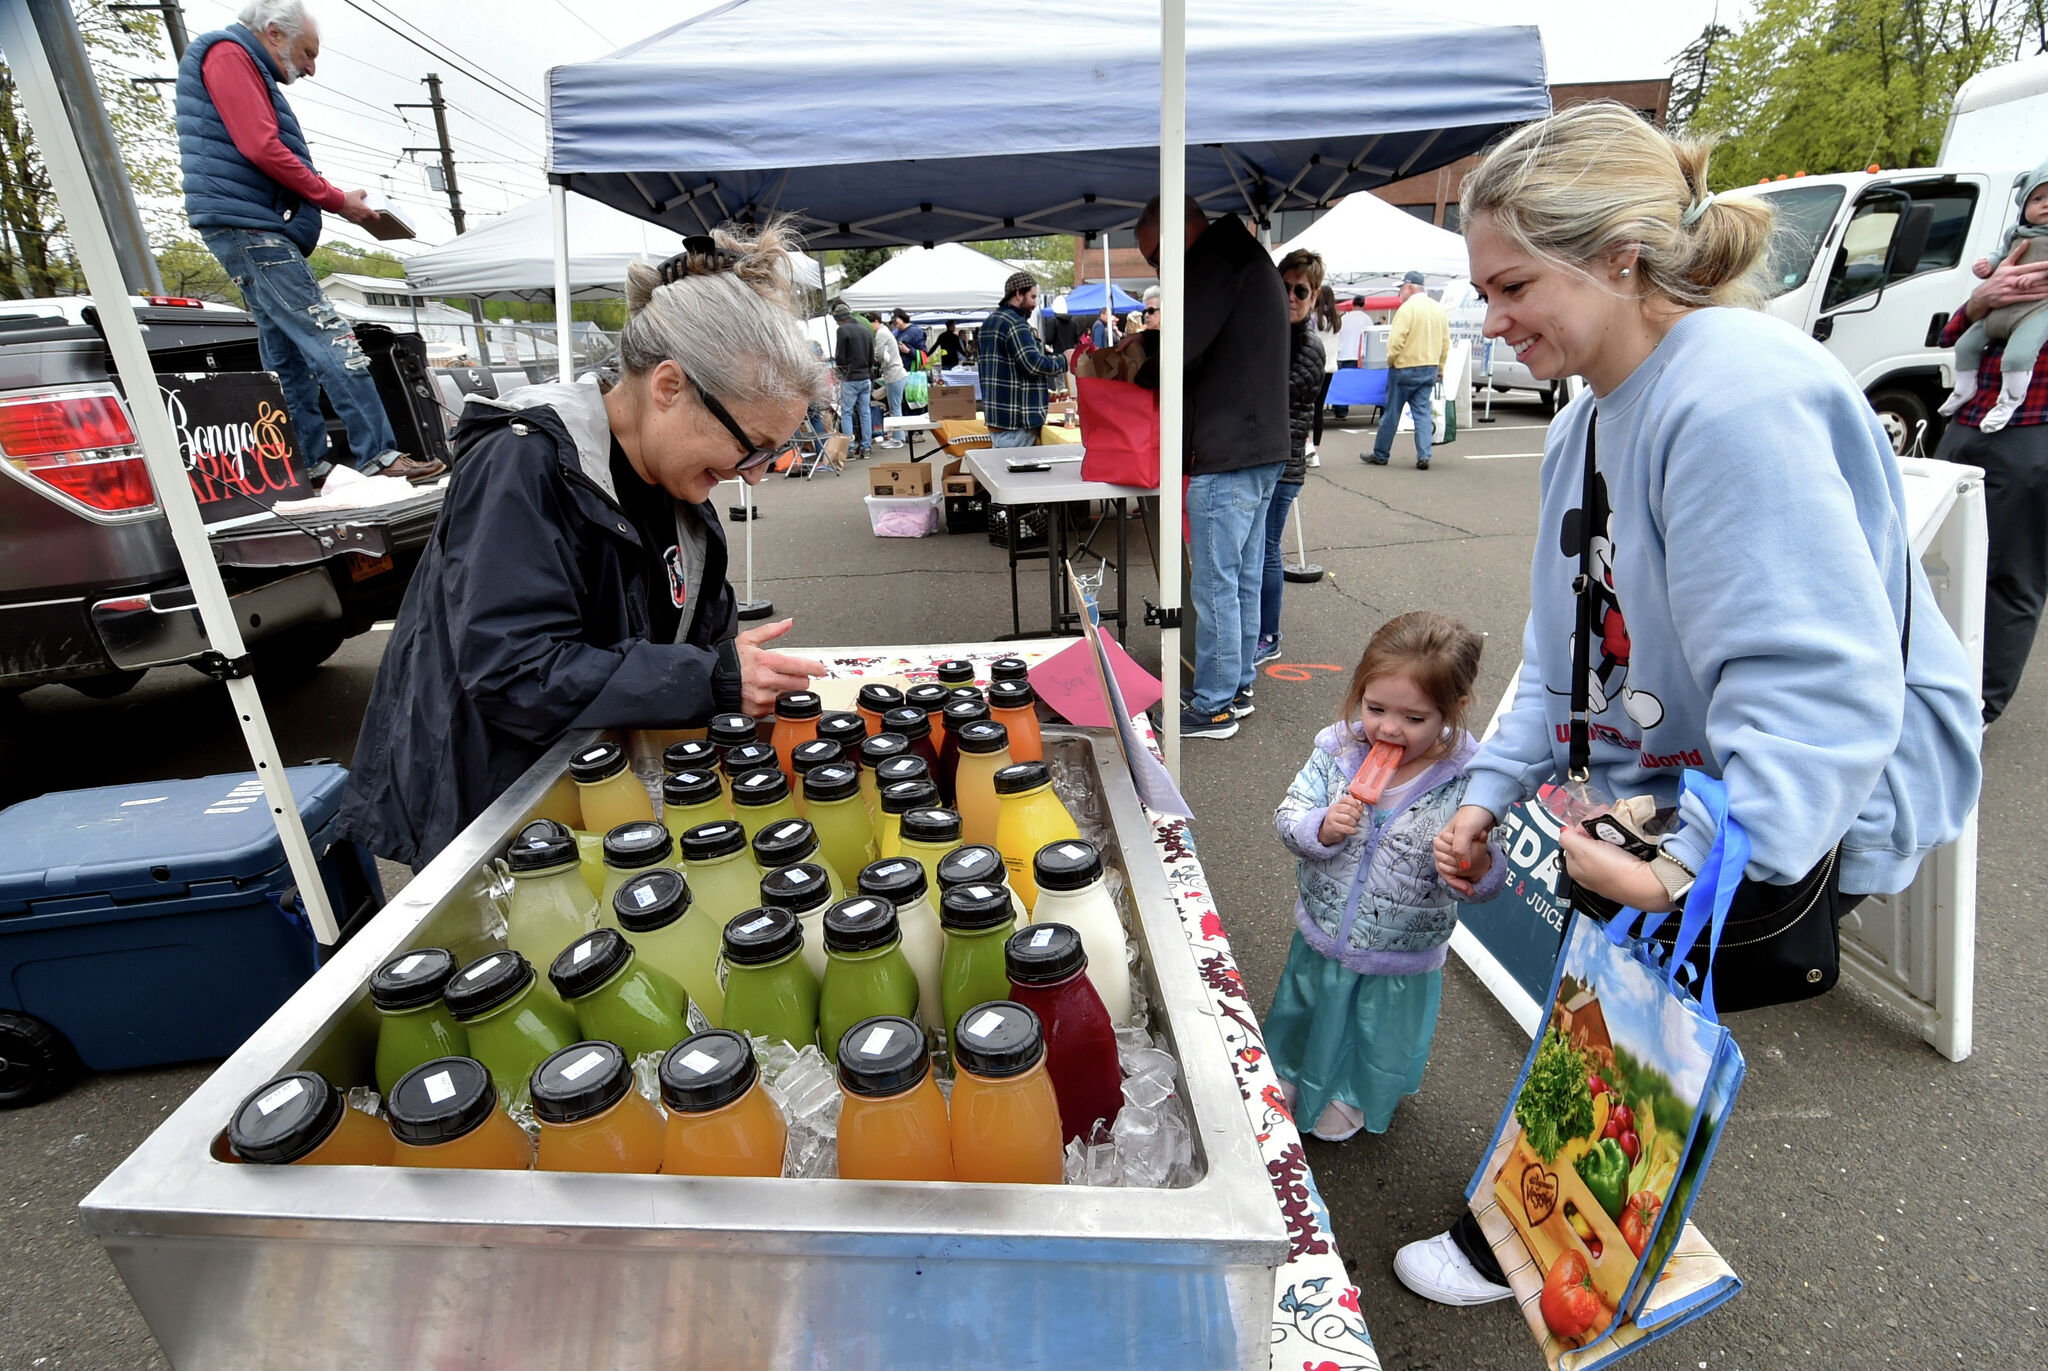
x,y
237,1266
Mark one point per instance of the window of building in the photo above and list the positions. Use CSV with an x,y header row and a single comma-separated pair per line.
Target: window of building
x,y
1451,219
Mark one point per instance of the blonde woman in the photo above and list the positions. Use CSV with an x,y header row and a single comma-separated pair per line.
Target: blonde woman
x,y
1752,574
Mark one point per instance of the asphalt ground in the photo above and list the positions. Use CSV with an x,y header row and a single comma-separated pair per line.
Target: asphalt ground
x,y
1883,1205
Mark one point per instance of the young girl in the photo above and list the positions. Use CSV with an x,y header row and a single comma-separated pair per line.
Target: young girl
x,y
1351,1023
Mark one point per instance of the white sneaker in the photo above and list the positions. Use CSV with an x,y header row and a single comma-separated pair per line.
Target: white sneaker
x,y
1435,1269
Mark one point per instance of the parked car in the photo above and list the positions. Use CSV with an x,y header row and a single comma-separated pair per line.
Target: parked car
x,y
1501,369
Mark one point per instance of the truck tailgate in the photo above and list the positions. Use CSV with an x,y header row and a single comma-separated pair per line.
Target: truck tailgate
x,y
277,540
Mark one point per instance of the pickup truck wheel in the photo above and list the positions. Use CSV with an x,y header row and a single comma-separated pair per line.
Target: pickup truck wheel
x,y
1905,417
298,650
35,1060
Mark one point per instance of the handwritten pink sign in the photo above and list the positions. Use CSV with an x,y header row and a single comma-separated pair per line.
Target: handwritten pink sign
x,y
1067,681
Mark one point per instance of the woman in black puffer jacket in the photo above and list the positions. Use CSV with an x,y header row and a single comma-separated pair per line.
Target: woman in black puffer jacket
x,y
1302,272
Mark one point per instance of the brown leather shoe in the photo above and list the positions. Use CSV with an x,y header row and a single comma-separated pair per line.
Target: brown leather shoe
x,y
413,469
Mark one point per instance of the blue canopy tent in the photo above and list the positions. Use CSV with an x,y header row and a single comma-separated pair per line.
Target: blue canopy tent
x,y
1087,299
724,117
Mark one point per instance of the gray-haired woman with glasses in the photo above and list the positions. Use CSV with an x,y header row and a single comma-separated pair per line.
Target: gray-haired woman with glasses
x,y
577,578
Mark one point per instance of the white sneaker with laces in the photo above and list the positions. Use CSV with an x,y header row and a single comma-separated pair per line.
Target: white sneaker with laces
x,y
1435,1269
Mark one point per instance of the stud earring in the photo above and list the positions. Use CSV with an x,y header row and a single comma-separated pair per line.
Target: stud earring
x,y
1624,271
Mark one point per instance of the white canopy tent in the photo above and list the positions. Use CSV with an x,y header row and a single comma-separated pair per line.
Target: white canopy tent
x,y
1363,237
949,277
512,257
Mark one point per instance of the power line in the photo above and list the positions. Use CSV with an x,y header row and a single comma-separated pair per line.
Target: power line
x,y
473,70
585,22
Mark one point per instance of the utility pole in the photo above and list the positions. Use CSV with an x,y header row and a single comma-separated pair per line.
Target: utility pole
x,y
173,15
440,109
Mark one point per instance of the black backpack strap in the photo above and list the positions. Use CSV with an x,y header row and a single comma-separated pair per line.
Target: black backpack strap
x,y
1581,757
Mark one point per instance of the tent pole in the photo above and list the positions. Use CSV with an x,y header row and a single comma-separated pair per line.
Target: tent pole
x,y
564,361
1173,186
95,248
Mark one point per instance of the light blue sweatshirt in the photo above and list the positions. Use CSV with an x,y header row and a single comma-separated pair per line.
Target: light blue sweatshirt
x,y
1756,562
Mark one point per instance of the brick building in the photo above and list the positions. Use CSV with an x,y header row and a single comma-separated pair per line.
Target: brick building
x,y
1432,195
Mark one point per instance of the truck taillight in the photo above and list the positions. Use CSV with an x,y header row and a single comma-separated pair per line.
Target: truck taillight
x,y
181,301
80,444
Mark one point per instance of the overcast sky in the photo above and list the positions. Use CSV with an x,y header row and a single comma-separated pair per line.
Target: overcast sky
x,y
366,68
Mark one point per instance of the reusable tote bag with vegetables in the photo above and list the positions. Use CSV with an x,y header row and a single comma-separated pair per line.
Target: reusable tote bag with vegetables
x,y
1586,1190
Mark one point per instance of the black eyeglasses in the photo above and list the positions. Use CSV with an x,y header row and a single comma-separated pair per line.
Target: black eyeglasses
x,y
1300,292
756,457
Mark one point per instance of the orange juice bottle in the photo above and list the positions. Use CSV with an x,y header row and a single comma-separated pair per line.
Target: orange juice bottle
x,y
892,1126
874,701
721,1121
984,750
1005,1117
796,721
302,1119
1014,705
446,1114
591,1117
610,794
1008,669
1031,816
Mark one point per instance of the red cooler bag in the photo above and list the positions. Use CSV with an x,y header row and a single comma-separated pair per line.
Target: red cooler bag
x,y
1119,428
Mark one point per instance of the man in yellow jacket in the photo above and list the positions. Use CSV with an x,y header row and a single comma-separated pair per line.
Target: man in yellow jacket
x,y
1416,350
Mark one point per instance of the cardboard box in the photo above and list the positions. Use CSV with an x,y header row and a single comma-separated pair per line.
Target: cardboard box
x,y
951,402
955,479
899,478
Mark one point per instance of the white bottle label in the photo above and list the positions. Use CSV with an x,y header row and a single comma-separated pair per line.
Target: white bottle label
x,y
405,967
984,1025
877,1041
581,954
480,969
699,1061
439,1087
280,1097
757,925
1041,937
582,1066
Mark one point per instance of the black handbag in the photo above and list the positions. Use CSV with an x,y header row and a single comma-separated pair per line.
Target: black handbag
x,y
1782,942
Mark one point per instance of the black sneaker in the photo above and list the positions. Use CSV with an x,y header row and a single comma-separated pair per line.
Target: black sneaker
x,y
1197,725
1374,461
1242,707
1422,466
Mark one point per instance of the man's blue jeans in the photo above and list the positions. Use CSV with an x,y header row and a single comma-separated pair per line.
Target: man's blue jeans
x,y
1273,584
1013,437
853,402
310,347
1410,386
1227,539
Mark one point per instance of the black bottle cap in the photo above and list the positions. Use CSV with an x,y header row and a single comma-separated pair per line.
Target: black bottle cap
x,y
486,983
784,843
1011,695
843,727
412,979
798,704
955,671
732,730
931,826
880,698
861,924
1008,669
284,1119
884,1055
690,786
589,962
835,782
761,936
440,1101
904,768
691,754
883,747
997,1039
1015,780
967,693
960,712
1043,954
981,736
745,757
1071,864
581,1080
975,865
975,908
540,845
929,697
719,838
899,880
799,889
908,795
804,757
652,900
764,785
598,762
707,1071
641,843
909,721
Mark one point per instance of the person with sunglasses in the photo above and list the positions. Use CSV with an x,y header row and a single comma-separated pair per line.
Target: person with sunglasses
x,y
1301,271
577,577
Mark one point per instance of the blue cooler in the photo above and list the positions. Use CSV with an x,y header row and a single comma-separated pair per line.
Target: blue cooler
x,y
158,922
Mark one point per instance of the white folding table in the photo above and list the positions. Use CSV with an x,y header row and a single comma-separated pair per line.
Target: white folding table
x,y
1055,487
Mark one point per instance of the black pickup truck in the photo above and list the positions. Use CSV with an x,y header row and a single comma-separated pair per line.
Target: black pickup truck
x,y
92,594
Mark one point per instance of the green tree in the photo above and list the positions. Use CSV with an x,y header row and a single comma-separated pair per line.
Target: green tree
x,y
189,269
338,255
1051,258
1693,72
857,261
1840,84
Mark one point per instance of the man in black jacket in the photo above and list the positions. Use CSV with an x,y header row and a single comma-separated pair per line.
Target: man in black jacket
x,y
854,357
1236,444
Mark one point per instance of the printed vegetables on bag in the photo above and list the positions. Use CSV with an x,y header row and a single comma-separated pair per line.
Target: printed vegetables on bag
x,y
1555,1105
1605,1172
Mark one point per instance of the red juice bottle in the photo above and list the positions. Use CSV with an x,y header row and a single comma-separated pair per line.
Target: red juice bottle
x,y
1048,970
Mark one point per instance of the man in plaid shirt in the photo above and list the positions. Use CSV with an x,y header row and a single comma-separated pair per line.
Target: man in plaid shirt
x,y
1014,367
2015,463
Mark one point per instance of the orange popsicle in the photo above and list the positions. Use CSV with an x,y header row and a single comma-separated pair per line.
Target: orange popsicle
x,y
1379,767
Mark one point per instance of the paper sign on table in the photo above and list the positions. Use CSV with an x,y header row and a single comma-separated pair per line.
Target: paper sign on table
x,y
1154,784
1068,683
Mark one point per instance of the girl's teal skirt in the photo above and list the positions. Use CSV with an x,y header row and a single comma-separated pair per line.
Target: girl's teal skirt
x,y
1335,1034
